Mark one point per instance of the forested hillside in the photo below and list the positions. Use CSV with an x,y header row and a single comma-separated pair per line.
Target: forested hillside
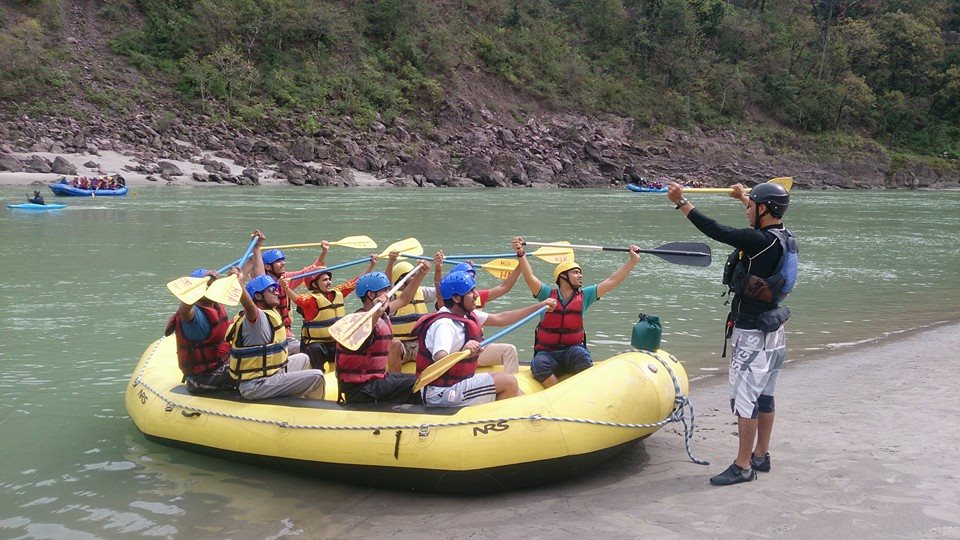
x,y
867,69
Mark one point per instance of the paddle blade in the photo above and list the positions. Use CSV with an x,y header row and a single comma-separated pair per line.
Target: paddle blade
x,y
438,368
188,289
685,253
555,253
785,181
225,291
356,242
410,246
500,268
352,330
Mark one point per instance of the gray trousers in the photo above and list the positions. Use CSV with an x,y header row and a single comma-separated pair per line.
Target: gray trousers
x,y
296,380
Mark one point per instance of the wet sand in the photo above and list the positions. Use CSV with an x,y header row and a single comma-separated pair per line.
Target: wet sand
x,y
866,444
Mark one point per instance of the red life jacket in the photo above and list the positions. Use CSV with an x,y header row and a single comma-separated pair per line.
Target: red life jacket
x,y
284,308
199,357
463,369
563,327
368,363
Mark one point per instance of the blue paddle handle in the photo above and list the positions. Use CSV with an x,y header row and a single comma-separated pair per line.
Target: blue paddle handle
x,y
512,327
332,268
241,260
425,258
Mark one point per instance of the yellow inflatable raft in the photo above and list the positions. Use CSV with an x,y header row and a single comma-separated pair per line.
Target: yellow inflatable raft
x,y
536,438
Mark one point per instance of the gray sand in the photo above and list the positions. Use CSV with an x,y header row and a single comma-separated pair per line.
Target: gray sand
x,y
866,445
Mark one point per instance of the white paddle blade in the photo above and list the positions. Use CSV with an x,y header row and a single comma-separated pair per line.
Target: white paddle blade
x,y
226,291
352,330
188,289
438,368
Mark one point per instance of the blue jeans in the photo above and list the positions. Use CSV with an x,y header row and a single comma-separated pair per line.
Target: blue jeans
x,y
570,360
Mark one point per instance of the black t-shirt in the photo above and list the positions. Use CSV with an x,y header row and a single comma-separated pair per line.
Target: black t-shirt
x,y
752,242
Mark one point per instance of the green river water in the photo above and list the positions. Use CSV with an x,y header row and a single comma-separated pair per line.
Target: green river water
x,y
84,294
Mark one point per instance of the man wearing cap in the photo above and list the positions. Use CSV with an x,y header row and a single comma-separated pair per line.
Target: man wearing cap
x,y
322,306
560,341
259,360
371,374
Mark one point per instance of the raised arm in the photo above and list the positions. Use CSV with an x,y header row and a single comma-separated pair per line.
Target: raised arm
x,y
509,317
533,283
504,286
410,289
620,274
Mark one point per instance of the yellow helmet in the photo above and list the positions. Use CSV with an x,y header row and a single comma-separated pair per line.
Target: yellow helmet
x,y
563,267
399,269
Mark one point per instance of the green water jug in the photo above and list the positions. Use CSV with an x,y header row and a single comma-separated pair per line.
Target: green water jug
x,y
646,333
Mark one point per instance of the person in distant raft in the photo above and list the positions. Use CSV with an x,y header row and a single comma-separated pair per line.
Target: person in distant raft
x,y
761,272
560,341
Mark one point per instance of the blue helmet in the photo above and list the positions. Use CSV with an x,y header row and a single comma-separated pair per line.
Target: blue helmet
x,y
260,284
199,272
272,255
372,282
456,283
464,267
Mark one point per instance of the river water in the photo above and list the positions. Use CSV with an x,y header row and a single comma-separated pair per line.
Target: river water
x,y
84,294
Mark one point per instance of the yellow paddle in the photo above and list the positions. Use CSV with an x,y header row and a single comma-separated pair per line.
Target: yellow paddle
x,y
438,368
499,268
785,181
352,330
410,246
190,289
555,252
356,242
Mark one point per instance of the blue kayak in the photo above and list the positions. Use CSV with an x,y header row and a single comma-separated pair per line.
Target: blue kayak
x,y
32,206
646,189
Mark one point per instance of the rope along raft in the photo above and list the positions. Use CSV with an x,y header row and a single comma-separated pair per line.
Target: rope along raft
x,y
681,402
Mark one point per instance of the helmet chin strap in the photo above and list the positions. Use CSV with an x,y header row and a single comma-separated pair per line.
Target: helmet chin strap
x,y
756,218
564,277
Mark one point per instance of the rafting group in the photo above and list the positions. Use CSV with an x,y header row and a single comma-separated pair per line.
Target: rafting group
x,y
108,182
439,328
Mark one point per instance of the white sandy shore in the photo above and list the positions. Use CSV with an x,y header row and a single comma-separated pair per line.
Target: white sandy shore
x,y
866,445
113,162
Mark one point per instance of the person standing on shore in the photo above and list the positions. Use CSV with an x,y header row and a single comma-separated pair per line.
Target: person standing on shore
x,y
760,272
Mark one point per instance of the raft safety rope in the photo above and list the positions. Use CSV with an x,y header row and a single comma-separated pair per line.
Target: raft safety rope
x,y
681,402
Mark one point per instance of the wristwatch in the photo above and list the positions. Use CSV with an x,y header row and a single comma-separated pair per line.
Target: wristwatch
x,y
681,202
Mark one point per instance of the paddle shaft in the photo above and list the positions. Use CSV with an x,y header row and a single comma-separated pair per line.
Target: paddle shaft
x,y
453,260
512,327
241,260
624,250
332,268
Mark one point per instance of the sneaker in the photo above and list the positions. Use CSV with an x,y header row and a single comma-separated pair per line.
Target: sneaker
x,y
734,475
761,464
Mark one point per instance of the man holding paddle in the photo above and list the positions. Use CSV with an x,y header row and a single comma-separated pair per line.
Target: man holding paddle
x,y
259,360
760,272
456,328
560,341
371,373
274,264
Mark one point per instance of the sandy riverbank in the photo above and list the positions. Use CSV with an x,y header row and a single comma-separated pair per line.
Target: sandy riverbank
x,y
867,445
113,162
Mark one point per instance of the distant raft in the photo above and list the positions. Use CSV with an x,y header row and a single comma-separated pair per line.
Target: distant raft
x,y
543,436
64,189
646,189
36,207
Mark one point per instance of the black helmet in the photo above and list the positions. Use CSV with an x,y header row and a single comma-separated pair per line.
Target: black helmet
x,y
773,195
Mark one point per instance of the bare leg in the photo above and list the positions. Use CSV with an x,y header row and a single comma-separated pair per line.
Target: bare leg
x,y
747,431
549,381
506,385
394,356
764,430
